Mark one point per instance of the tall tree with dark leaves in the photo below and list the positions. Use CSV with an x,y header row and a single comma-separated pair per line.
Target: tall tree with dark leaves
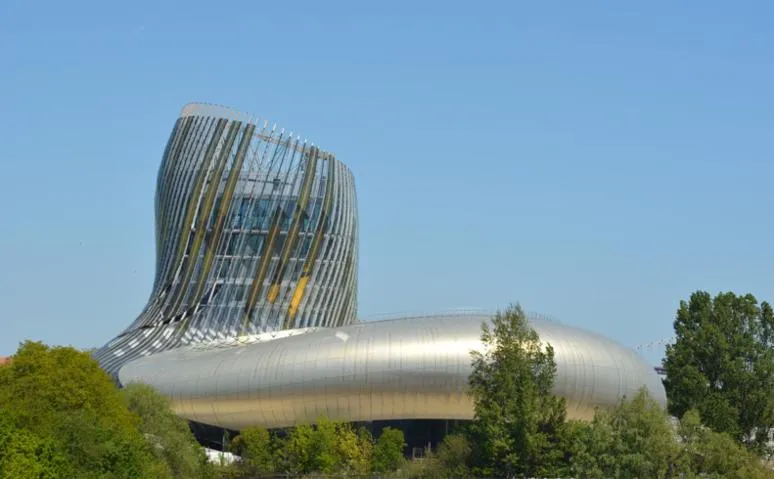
x,y
722,364
518,421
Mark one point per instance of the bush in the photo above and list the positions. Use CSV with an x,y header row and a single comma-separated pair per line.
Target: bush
x,y
172,442
65,413
388,451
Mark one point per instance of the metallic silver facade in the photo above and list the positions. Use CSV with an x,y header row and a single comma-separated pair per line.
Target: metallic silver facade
x,y
413,368
256,231
252,317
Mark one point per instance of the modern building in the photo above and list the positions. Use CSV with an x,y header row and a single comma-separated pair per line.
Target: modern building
x,y
252,317
256,232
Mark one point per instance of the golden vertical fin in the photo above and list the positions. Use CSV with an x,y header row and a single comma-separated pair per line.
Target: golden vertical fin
x,y
314,248
298,216
172,159
193,199
345,277
267,251
205,209
225,202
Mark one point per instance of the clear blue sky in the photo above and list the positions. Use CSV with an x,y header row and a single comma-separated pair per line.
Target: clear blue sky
x,y
596,163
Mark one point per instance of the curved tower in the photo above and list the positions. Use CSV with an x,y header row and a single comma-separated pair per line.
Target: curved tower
x,y
250,320
256,232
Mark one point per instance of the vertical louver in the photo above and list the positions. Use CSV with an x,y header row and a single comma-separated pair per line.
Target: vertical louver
x,y
256,231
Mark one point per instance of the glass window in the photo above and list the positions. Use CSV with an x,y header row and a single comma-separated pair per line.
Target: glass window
x,y
214,212
304,249
237,214
254,244
244,214
261,215
285,222
311,209
279,243
233,242
189,244
240,292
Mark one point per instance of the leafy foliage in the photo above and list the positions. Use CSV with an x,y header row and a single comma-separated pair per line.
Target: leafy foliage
x,y
61,416
327,447
355,450
42,383
453,455
297,450
256,449
637,439
520,429
722,365
23,454
450,459
323,453
68,415
518,421
633,440
711,454
170,437
388,450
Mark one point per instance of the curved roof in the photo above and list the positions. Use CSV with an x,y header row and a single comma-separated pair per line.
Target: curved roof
x,y
289,139
413,368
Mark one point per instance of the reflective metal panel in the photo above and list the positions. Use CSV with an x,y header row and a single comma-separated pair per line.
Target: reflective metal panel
x,y
256,231
399,369
251,320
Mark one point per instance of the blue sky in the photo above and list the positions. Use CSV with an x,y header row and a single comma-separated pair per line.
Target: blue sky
x,y
596,163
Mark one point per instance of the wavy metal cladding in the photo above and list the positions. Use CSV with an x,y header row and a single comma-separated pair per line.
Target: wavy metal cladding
x,y
256,231
413,368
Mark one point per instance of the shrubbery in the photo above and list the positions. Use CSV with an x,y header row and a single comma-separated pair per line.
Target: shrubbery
x,y
520,430
327,448
61,416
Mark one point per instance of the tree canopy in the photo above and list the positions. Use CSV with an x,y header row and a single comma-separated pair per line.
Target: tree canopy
x,y
257,452
64,409
633,440
62,416
388,451
722,365
638,439
326,447
518,420
520,430
169,436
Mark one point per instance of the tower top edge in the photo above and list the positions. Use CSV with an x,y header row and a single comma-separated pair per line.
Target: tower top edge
x,y
264,128
218,111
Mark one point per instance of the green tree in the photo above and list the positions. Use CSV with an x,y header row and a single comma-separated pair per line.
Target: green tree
x,y
62,399
453,456
257,451
388,451
42,382
297,450
722,365
170,437
517,424
23,454
635,439
327,447
711,454
355,449
450,459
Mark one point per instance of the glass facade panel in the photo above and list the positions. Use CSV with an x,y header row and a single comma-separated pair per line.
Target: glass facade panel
x,y
218,214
